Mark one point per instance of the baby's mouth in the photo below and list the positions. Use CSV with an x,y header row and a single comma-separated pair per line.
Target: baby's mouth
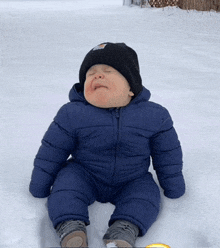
x,y
98,86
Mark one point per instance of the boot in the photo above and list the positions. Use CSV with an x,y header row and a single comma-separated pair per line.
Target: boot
x,y
72,234
121,233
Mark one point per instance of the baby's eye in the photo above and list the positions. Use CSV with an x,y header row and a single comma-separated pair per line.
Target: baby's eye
x,y
90,73
109,70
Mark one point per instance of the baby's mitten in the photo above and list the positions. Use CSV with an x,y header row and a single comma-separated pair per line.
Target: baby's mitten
x,y
41,183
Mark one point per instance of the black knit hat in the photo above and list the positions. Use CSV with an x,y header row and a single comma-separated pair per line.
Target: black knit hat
x,y
118,55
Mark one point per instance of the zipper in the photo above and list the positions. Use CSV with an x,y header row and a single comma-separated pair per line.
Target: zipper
x,y
117,116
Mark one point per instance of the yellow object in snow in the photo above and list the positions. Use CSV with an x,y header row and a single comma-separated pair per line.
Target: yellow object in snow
x,y
158,246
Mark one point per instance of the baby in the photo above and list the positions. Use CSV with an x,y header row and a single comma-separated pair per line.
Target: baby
x,y
112,132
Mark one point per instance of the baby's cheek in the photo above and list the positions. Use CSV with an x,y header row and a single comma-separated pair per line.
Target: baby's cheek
x,y
101,96
98,99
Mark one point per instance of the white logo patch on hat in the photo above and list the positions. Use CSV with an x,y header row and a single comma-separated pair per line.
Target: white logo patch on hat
x,y
101,46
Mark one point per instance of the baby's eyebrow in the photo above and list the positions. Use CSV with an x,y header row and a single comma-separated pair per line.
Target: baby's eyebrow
x,y
106,67
91,69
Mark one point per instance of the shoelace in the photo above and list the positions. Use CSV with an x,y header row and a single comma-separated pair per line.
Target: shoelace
x,y
69,226
122,228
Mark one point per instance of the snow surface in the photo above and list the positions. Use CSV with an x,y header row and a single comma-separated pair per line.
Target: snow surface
x,y
42,44
111,245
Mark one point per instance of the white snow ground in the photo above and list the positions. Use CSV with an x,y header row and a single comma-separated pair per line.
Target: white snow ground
x,y
42,44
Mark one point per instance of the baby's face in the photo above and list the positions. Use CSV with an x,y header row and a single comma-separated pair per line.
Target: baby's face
x,y
105,87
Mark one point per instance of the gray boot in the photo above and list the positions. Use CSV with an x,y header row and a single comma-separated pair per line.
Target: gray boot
x,y
72,234
122,233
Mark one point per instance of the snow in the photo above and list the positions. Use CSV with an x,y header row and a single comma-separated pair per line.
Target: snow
x,y
42,46
111,245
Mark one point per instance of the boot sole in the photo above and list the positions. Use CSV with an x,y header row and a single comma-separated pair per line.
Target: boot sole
x,y
75,240
118,243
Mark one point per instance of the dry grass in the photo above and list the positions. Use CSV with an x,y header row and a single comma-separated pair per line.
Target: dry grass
x,y
200,5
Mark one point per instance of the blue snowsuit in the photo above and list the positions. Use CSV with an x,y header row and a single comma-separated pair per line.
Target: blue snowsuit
x,y
111,151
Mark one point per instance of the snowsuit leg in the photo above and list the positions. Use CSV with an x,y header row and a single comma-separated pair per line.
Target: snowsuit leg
x,y
138,202
71,195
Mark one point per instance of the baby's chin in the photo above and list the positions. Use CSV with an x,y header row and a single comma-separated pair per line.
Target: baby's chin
x,y
103,98
100,104
105,103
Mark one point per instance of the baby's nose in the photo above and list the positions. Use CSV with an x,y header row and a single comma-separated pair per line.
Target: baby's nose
x,y
99,75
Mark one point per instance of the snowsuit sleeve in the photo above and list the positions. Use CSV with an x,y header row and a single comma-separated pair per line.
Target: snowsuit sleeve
x,y
166,156
57,145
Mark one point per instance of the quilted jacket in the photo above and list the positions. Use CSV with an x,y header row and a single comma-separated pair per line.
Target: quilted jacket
x,y
114,145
